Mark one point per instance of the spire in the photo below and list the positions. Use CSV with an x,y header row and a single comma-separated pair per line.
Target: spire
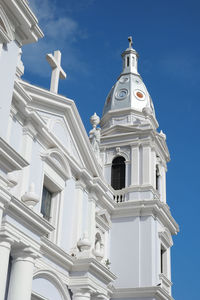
x,y
130,42
130,59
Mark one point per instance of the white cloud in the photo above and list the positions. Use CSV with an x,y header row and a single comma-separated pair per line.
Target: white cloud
x,y
61,32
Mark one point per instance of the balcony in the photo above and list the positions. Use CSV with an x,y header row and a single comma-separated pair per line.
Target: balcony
x,y
135,193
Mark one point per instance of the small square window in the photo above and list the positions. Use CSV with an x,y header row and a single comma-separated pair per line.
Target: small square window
x,y
46,203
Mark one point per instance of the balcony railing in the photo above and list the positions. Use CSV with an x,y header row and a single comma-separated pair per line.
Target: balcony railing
x,y
119,196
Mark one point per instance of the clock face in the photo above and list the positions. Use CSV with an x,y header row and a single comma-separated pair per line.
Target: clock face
x,y
121,94
140,95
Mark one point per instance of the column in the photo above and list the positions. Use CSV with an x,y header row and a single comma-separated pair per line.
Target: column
x,y
5,246
21,277
81,294
135,165
77,226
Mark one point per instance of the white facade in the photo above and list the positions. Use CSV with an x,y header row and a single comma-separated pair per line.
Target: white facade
x,y
62,248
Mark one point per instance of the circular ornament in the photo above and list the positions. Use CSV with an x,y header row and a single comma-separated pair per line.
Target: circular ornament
x,y
121,94
138,81
124,79
139,95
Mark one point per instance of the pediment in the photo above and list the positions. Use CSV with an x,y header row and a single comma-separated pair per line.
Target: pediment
x,y
120,129
103,219
55,158
59,127
63,122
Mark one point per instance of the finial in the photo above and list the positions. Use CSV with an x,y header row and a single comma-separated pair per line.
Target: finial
x,y
94,120
130,39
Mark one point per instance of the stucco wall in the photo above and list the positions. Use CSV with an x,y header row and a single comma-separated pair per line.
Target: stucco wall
x,y
8,62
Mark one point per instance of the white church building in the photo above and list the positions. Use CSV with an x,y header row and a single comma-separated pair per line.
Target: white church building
x,y
81,218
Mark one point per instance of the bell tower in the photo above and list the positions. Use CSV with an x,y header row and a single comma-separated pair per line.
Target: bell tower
x,y
135,157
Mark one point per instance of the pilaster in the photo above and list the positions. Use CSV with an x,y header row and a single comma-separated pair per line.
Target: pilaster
x,y
29,133
135,165
146,164
80,186
91,217
163,184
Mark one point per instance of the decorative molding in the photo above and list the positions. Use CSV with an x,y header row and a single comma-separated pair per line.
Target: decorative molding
x,y
31,219
9,158
94,267
154,208
24,23
103,220
56,254
35,296
166,238
6,35
166,284
30,130
55,158
141,292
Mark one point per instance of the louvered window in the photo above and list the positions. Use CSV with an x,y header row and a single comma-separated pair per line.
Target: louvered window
x,y
118,173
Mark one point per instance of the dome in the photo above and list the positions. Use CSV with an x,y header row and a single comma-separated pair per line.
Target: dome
x,y
129,91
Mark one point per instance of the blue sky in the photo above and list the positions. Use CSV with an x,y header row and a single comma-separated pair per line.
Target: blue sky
x,y
91,35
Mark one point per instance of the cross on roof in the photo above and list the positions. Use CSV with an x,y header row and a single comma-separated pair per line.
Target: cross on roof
x,y
57,71
130,41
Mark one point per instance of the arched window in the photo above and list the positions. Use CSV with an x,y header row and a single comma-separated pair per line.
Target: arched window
x,y
118,173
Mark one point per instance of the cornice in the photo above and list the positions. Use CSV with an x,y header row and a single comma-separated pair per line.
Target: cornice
x,y
154,208
24,21
10,158
141,292
127,111
56,254
33,221
135,137
94,267
21,242
166,239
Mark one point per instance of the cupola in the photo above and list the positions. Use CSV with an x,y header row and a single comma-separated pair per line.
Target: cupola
x,y
129,95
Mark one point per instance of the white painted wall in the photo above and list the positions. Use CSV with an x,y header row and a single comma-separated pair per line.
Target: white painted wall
x,y
8,63
16,135
46,289
125,260
137,264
